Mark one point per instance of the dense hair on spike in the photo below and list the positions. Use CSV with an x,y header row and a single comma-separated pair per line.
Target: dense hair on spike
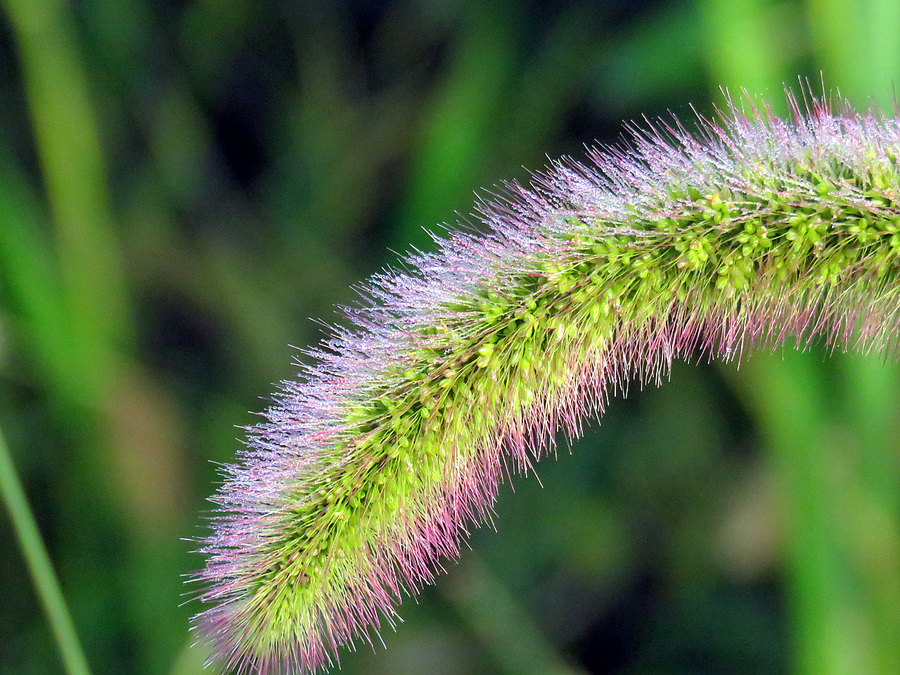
x,y
751,232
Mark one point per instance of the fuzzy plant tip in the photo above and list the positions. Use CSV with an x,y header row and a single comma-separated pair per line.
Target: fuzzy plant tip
x,y
748,232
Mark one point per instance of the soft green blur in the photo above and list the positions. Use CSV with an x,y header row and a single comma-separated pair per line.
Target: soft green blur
x,y
183,184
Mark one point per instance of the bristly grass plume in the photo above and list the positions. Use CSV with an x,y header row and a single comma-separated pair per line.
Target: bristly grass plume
x,y
459,370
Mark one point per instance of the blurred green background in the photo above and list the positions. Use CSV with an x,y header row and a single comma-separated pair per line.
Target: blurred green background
x,y
184,183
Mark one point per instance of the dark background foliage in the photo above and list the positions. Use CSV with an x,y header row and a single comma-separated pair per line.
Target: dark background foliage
x,y
183,184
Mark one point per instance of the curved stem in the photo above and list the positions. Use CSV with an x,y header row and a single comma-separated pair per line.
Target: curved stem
x,y
45,582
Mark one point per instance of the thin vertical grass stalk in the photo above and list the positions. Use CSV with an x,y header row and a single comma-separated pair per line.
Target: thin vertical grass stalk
x,y
458,370
39,565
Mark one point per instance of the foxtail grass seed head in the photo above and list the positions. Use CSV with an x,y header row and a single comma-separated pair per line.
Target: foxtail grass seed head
x,y
368,471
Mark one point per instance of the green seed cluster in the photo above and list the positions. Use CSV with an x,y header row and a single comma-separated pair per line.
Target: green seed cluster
x,y
717,246
613,293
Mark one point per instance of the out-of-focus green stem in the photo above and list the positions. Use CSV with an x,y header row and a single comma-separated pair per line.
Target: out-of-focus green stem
x,y
834,635
68,146
742,48
458,124
855,43
45,581
872,404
